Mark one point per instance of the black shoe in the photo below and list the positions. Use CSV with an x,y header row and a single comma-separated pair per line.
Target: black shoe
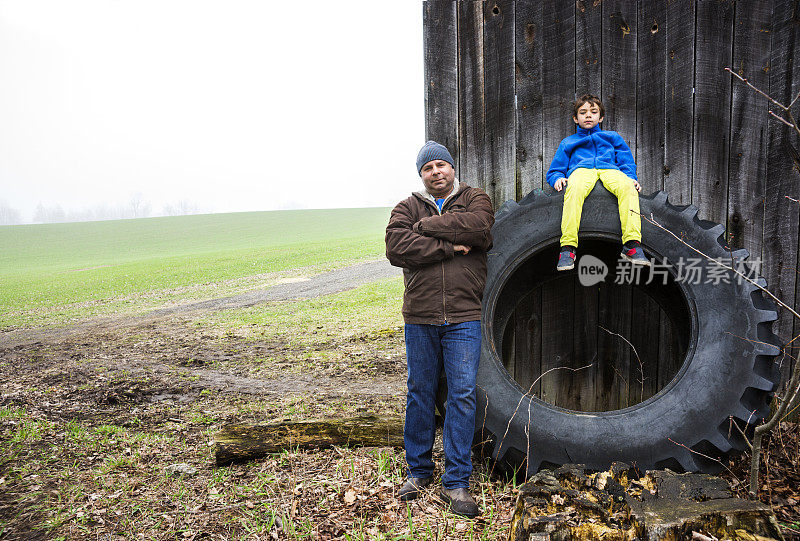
x,y
460,502
410,490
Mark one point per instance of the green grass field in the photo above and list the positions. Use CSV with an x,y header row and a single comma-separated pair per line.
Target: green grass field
x,y
54,265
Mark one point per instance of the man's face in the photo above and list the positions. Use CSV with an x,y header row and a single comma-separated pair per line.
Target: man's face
x,y
588,116
438,177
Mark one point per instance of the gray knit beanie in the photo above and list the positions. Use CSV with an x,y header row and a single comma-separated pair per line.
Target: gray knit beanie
x,y
433,151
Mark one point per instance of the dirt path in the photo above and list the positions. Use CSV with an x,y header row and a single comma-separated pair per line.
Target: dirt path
x,y
325,283
164,358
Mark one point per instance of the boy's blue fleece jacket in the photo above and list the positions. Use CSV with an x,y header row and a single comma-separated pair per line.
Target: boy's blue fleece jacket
x,y
592,149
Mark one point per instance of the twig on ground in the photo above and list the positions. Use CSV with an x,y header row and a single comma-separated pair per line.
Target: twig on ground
x,y
700,537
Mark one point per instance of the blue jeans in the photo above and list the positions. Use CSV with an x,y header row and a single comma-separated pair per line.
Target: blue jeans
x,y
429,348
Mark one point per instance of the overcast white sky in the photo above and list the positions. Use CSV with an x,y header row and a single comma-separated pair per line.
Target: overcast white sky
x,y
236,105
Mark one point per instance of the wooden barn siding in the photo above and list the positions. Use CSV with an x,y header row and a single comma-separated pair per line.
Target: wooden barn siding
x,y
440,47
781,215
500,76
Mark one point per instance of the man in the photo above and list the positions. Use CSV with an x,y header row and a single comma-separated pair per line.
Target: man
x,y
440,236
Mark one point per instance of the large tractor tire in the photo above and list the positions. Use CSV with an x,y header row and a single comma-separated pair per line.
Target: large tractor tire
x,y
727,377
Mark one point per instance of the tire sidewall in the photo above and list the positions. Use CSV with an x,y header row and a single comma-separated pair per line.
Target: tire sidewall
x,y
718,359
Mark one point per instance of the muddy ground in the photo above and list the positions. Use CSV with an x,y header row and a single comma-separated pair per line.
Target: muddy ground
x,y
96,413
105,367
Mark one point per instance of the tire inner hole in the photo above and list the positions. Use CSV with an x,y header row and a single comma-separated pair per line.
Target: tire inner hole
x,y
549,329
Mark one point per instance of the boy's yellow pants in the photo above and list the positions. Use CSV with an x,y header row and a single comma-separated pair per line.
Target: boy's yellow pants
x,y
580,183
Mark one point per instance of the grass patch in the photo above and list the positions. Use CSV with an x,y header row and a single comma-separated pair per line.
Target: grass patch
x,y
53,265
371,310
83,481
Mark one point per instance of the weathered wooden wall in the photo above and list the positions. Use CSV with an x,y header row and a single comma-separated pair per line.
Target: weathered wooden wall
x,y
500,76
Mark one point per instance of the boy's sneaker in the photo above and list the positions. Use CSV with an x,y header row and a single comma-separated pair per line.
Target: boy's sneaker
x,y
566,260
635,255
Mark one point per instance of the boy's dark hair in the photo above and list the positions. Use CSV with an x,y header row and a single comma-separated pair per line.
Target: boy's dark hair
x,y
590,99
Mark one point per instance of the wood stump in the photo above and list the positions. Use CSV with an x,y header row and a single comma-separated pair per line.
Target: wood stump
x,y
571,503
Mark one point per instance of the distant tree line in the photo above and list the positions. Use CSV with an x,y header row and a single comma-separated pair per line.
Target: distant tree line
x,y
136,207
8,215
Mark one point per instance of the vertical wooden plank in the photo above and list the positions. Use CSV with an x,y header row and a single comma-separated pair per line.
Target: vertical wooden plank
x,y
509,349
557,340
529,341
669,358
529,47
558,75
613,361
712,108
645,331
651,106
471,119
585,336
441,81
747,168
498,54
619,68
619,96
780,250
679,100
522,359
588,36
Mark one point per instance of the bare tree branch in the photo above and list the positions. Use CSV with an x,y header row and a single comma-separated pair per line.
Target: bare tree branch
x,y
794,100
704,456
778,117
530,394
641,366
748,83
730,268
793,121
746,439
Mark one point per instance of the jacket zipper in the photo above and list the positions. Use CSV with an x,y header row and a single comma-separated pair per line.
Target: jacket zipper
x,y
444,298
444,301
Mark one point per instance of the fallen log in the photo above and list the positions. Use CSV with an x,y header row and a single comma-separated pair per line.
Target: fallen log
x,y
236,443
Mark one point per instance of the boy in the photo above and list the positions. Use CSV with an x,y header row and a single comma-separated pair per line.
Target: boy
x,y
581,160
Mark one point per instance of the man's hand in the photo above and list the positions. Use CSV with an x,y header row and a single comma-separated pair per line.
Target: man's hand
x,y
637,186
560,183
460,248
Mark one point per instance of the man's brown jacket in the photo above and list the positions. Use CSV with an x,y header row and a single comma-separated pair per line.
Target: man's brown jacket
x,y
441,286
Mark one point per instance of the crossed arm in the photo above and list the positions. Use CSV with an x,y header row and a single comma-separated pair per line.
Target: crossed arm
x,y
412,243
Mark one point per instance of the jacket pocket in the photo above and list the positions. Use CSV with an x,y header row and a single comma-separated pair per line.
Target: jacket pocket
x,y
412,279
476,282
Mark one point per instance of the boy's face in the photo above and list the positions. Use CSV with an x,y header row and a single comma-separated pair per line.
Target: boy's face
x,y
588,116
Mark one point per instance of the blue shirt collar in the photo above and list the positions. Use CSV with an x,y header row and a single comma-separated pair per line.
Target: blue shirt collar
x,y
583,131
